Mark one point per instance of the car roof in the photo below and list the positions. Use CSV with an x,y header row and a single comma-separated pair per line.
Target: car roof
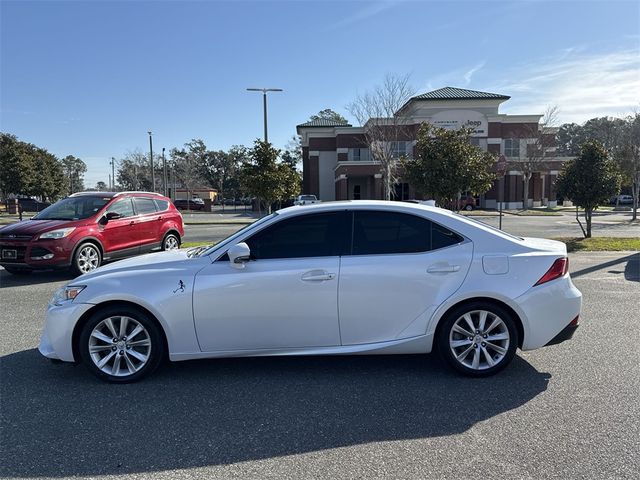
x,y
113,194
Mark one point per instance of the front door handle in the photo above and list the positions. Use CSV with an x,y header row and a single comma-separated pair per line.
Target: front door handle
x,y
443,268
318,276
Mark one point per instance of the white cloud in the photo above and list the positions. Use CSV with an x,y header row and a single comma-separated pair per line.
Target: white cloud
x,y
582,85
469,73
369,11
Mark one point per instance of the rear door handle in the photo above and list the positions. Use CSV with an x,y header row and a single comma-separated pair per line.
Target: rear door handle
x,y
318,276
443,269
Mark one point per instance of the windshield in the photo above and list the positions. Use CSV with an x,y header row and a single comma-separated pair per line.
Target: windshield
x,y
73,208
231,238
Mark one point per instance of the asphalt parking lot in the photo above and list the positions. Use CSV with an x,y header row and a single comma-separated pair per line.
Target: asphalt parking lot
x,y
566,411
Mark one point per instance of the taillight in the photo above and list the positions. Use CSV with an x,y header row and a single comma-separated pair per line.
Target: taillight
x,y
559,268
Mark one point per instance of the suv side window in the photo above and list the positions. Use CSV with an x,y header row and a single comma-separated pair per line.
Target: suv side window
x,y
123,206
317,235
162,205
378,233
144,205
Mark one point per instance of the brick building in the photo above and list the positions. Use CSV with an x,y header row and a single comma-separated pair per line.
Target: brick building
x,y
337,164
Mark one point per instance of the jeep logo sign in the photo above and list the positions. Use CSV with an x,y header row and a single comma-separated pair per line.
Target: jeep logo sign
x,y
454,119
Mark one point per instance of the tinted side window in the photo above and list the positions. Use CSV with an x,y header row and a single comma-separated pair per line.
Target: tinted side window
x,y
390,232
162,205
144,205
319,235
442,237
124,207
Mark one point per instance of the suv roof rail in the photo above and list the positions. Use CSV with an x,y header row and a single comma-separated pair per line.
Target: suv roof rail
x,y
91,192
136,191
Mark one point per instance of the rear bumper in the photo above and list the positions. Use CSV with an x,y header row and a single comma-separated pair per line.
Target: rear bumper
x,y
548,309
565,334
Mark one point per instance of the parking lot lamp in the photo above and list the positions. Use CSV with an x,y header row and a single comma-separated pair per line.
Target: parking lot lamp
x,y
153,173
264,104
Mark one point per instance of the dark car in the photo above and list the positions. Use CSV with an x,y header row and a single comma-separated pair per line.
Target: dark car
x,y
84,230
184,204
32,205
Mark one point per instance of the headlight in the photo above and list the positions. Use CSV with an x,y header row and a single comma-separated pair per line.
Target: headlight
x,y
66,294
55,234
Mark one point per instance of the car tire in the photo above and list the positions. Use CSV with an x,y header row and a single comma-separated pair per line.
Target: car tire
x,y
17,271
86,258
171,241
468,208
486,348
121,344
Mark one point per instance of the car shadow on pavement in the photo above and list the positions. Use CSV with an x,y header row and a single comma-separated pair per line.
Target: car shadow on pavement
x,y
45,276
57,420
631,269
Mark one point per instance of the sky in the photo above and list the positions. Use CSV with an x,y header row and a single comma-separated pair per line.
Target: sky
x,y
91,78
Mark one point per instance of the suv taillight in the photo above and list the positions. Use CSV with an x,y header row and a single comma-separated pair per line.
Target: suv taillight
x,y
559,268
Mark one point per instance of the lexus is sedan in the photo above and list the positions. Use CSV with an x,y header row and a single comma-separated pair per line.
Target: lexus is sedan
x,y
361,277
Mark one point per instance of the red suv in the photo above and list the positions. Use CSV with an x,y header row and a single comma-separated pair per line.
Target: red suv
x,y
88,228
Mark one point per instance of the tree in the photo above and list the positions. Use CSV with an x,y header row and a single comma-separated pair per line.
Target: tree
x,y
220,170
328,114
627,153
446,164
134,172
540,140
267,179
49,179
188,164
101,186
589,180
378,111
74,169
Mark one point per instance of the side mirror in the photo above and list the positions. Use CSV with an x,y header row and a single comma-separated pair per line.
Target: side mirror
x,y
239,255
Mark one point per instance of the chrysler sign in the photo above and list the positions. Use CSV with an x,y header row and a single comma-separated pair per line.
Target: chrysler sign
x,y
455,119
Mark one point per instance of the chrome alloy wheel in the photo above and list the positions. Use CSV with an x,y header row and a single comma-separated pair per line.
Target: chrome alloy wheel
x,y
171,243
119,346
479,339
88,258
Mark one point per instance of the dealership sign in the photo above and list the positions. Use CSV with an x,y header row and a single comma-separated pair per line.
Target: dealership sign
x,y
455,119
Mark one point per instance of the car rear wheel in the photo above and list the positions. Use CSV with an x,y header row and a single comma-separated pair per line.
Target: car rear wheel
x,y
171,242
121,344
478,339
468,207
86,258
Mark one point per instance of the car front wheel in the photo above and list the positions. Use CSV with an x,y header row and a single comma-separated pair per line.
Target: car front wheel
x,y
121,344
86,258
478,339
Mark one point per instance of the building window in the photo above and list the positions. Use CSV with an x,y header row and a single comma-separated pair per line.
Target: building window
x,y
400,149
512,147
401,191
356,192
358,155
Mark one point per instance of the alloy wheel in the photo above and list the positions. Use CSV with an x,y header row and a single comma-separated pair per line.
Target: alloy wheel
x,y
88,259
479,339
119,346
171,243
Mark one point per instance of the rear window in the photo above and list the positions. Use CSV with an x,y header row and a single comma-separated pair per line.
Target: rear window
x,y
161,205
144,205
378,233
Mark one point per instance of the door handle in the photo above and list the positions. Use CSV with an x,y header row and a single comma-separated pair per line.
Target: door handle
x,y
443,268
131,223
318,276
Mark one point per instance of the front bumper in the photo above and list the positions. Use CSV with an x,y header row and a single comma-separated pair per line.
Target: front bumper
x,y
36,254
57,334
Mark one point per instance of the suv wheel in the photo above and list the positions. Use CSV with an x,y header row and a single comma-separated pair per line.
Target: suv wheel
x,y
86,258
171,242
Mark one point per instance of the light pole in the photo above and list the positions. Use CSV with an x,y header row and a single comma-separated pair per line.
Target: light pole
x,y
113,174
164,174
264,104
153,172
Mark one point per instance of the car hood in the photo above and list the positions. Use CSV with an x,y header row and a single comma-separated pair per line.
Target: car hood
x,y
33,227
151,261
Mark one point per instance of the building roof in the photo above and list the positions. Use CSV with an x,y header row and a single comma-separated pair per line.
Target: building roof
x,y
324,122
453,93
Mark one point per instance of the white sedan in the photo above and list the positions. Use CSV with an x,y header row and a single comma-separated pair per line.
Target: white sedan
x,y
361,277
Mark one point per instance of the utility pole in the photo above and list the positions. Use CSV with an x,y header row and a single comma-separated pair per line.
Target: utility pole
x,y
112,187
153,172
164,174
264,105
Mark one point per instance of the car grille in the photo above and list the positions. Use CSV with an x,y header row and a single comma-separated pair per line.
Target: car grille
x,y
16,237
